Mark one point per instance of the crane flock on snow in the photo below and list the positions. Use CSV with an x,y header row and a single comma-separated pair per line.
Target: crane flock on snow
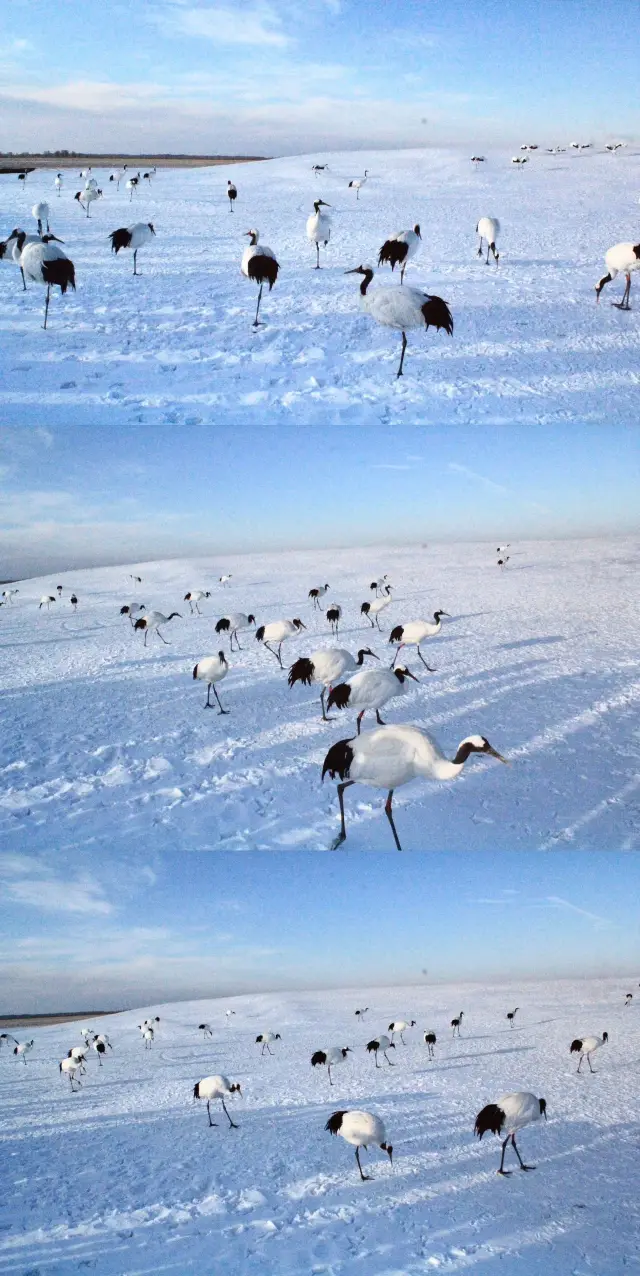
x,y
402,309
505,1116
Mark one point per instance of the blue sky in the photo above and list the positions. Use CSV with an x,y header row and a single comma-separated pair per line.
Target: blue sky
x,y
78,935
79,497
281,76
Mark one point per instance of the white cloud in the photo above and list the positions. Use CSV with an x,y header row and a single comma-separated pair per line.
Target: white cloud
x,y
84,895
256,26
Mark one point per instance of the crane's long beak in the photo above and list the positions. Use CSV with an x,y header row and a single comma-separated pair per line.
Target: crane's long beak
x,y
494,754
408,674
357,270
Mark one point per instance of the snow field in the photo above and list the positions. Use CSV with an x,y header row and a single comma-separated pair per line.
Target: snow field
x,y
110,744
126,1176
177,346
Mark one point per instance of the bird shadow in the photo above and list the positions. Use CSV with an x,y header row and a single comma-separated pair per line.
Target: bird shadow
x,y
530,642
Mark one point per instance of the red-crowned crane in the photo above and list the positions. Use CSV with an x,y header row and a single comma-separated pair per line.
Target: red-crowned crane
x,y
489,228
360,1129
326,667
381,1043
278,631
402,308
329,1058
508,1115
232,195
41,213
212,669
316,594
621,259
586,1046
319,228
457,1022
357,183
235,623
415,632
370,689
259,264
398,249
216,1088
132,237
150,622
46,264
392,756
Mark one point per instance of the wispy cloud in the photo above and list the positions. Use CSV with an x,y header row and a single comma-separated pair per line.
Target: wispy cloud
x,y
492,486
556,901
221,24
54,895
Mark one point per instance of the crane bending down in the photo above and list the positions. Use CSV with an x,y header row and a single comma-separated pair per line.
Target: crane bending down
x,y
402,308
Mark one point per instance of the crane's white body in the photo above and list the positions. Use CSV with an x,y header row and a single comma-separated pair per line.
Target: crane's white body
x,y
488,228
46,601
77,1052
333,1055
357,183
148,1037
22,1049
255,250
37,262
361,1129
212,669
373,688
415,632
330,663
151,621
41,213
214,1087
586,1046
520,1108
319,228
58,183
400,1025
279,631
69,1067
398,249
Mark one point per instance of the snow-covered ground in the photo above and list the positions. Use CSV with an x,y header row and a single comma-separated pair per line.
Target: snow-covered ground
x,y
126,1177
109,745
176,345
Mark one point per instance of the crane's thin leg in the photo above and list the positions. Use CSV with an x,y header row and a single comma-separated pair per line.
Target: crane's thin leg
x,y
364,1177
402,1040
135,255
624,304
589,1062
370,622
359,719
343,832
232,1124
329,1071
404,346
46,307
389,814
379,719
402,274
269,1048
198,610
522,1164
145,636
324,711
317,265
274,653
504,1148
209,1114
376,1058
164,640
256,322
24,285
391,1065
480,248
424,661
218,699
580,1063
488,250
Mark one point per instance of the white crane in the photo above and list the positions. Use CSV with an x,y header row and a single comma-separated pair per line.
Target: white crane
x,y
259,264
69,1067
117,177
22,1049
46,601
456,1024
398,249
586,1046
5,1038
193,598
132,186
319,228
236,622
622,258
150,622
381,586
133,237
520,159
278,631
87,197
212,669
58,183
489,228
509,1114
330,1058
358,182
216,1088
46,264
360,1014
232,195
326,666
74,601
148,1038
334,614
9,594
360,1129
205,1029
381,1043
370,689
374,608
415,632
265,1039
224,580
100,1048
402,308
41,213
130,609
399,1026
511,1014
392,756
430,1041
316,594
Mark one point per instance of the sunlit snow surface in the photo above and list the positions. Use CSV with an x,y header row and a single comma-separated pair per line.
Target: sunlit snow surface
x,y
176,345
110,747
125,1177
